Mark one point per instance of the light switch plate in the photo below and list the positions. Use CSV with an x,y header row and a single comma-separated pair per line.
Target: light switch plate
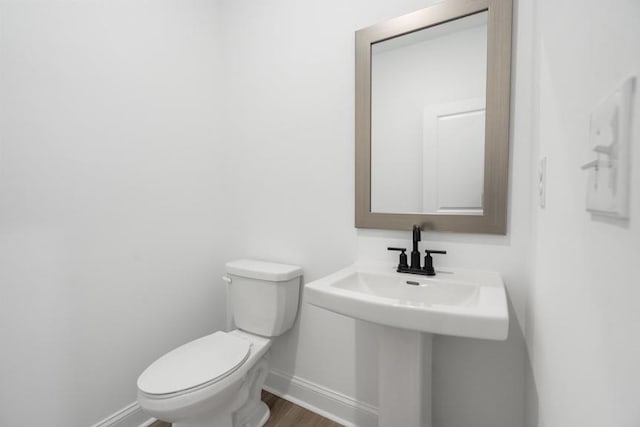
x,y
609,140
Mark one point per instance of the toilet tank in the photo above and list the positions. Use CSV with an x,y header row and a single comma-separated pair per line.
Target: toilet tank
x,y
263,296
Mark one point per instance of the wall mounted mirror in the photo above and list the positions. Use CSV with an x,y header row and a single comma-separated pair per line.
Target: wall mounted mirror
x,y
432,118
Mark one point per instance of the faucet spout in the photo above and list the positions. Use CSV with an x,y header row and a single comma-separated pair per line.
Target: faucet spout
x,y
415,253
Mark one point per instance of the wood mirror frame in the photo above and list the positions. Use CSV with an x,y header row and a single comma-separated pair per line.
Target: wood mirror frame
x,y
498,93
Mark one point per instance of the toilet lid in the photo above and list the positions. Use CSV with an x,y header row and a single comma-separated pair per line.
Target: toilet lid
x,y
207,359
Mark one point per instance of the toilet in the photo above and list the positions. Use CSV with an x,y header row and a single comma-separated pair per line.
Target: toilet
x,y
216,380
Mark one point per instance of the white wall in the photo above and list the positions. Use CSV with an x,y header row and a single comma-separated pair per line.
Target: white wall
x,y
584,320
110,199
289,126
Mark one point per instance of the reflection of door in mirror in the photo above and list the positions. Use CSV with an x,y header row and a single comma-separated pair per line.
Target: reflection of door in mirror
x,y
427,119
453,157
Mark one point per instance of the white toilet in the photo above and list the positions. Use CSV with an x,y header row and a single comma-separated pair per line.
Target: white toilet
x,y
216,380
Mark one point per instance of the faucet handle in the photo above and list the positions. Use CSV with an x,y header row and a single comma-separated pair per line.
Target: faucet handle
x,y
432,251
428,261
403,257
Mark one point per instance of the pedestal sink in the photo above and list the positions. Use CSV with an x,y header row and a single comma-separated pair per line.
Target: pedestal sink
x,y
411,309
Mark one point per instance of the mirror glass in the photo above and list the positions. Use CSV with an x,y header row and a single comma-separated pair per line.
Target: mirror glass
x,y
428,92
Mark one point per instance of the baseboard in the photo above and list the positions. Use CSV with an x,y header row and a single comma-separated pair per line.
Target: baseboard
x,y
130,416
321,400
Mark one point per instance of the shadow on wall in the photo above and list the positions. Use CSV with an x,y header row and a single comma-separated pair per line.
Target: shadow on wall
x,y
532,404
293,335
365,341
279,382
358,405
479,382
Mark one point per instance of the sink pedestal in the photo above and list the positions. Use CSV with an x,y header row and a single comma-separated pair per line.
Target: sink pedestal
x,y
404,378
410,309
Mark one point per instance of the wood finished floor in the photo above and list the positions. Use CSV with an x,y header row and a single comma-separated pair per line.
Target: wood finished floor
x,y
283,414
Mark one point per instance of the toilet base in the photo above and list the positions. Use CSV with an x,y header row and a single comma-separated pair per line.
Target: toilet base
x,y
258,418
209,423
265,415
254,413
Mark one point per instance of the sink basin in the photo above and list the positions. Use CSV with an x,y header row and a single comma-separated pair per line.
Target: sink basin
x,y
456,302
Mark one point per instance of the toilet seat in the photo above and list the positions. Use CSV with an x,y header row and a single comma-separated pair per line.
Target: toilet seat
x,y
195,365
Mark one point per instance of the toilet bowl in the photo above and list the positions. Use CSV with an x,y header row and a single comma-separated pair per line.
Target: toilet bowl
x,y
207,398
216,380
